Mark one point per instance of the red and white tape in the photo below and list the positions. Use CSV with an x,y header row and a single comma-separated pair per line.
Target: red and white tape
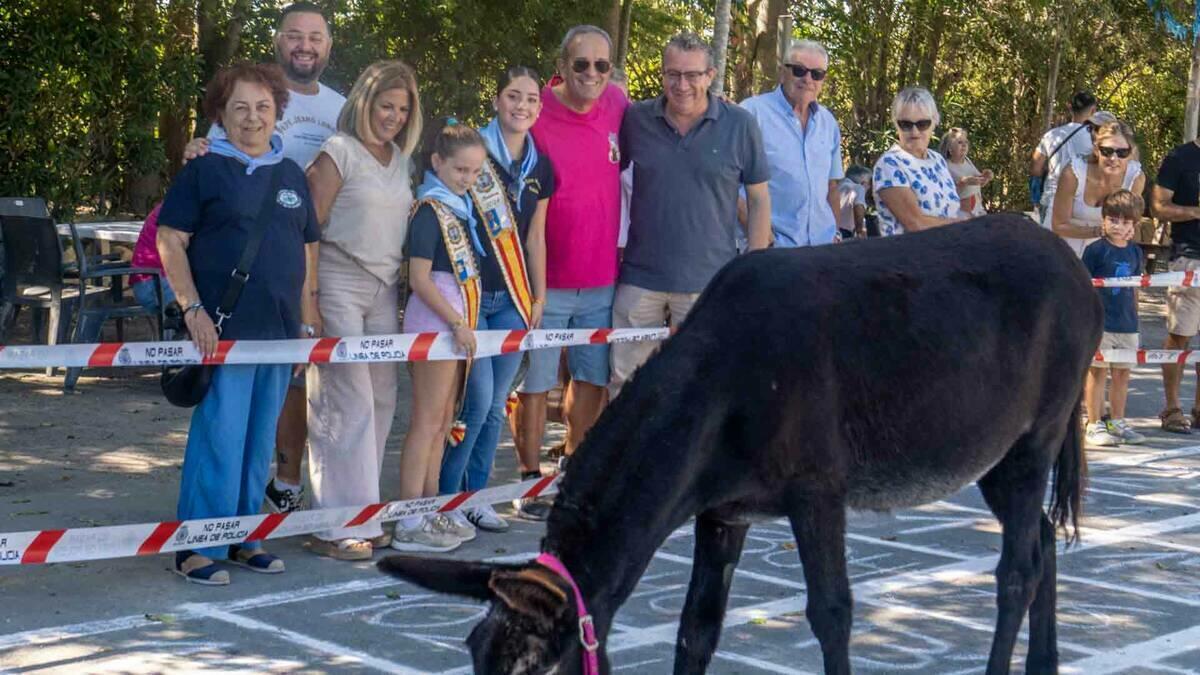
x,y
1185,279
365,349
121,541
1148,357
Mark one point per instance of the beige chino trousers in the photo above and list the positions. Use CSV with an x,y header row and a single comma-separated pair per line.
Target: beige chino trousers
x,y
635,307
350,406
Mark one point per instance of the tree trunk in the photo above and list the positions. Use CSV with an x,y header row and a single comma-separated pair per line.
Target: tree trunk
x,y
623,38
175,121
766,53
613,22
218,46
933,46
1191,115
720,45
1062,25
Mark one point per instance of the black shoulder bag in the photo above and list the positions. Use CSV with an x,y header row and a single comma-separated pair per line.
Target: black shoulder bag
x,y
186,386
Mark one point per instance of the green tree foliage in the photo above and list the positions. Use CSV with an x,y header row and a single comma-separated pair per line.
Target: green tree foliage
x,y
100,95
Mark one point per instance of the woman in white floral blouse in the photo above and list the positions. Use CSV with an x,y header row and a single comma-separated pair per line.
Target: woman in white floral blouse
x,y
912,184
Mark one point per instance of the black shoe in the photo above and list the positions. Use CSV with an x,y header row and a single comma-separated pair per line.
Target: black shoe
x,y
283,501
536,510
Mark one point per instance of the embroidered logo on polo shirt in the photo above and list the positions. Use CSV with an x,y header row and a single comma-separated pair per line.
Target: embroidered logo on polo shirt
x,y
288,199
614,149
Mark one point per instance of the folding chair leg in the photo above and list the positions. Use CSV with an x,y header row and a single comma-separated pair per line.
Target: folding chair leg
x,y
8,317
87,331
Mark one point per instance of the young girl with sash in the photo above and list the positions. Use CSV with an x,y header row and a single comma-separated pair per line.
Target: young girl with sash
x,y
511,197
448,274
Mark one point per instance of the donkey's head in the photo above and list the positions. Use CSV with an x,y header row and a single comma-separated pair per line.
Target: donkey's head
x,y
531,627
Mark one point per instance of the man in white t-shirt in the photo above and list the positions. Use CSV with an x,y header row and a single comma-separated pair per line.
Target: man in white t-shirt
x,y
302,46
1056,149
851,213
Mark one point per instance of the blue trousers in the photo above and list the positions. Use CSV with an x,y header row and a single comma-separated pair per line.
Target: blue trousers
x,y
469,464
229,445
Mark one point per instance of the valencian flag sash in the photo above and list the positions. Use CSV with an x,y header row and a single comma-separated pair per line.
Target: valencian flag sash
x,y
491,201
466,272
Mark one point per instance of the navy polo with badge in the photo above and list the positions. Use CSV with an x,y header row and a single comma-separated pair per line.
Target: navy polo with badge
x,y
214,200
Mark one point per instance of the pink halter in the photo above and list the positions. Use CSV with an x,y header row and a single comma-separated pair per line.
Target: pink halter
x,y
587,630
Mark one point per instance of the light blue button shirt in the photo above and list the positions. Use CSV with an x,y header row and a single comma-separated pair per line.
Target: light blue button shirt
x,y
803,160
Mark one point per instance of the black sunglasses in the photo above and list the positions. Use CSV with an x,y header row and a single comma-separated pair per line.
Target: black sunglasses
x,y
1109,151
907,125
581,65
798,71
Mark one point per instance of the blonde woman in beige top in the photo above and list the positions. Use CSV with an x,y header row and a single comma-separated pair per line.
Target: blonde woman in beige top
x,y
362,189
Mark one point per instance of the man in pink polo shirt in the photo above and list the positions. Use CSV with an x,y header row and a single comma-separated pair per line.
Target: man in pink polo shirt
x,y
578,129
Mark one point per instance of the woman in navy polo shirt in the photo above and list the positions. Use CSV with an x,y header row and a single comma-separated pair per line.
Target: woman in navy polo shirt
x,y
204,225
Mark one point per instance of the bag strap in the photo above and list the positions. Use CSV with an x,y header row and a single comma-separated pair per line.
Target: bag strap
x,y
1063,142
241,274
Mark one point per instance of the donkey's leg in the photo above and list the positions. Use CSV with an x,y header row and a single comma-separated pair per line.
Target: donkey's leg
x,y
819,524
719,542
1043,632
1013,490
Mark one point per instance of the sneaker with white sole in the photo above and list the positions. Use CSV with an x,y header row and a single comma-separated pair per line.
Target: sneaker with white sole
x,y
283,500
425,537
455,522
1098,435
1121,429
485,518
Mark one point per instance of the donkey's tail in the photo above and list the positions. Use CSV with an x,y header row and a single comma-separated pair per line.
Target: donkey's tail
x,y
1070,478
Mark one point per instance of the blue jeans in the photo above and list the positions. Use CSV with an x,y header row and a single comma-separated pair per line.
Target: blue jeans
x,y
469,464
229,446
143,292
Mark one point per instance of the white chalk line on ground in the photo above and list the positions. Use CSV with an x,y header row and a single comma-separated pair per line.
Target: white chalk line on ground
x,y
1138,654
340,652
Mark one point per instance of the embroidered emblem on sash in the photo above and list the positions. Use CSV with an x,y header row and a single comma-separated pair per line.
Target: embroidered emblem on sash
x,y
492,202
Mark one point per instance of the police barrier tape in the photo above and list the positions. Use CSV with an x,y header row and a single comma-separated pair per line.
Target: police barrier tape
x,y
364,349
121,541
1186,279
1148,357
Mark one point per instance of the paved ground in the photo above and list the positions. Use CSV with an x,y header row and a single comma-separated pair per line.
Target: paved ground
x,y
1129,596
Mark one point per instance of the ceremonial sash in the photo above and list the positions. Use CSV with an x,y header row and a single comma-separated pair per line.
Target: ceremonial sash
x,y
466,272
491,200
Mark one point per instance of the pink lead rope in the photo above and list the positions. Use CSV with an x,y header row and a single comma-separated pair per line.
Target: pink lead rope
x,y
587,630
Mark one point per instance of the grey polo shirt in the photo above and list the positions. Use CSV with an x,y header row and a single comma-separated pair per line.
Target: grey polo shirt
x,y
683,212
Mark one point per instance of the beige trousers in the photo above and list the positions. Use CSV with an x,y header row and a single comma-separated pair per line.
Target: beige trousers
x,y
350,406
635,307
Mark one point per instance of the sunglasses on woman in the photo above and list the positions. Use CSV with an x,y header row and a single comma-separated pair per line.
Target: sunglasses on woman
x,y
799,71
581,65
907,125
1108,151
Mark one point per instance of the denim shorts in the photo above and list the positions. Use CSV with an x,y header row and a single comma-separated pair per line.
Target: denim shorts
x,y
572,308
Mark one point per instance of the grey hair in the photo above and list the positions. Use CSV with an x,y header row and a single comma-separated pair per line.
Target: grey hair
x,y
917,97
811,46
579,31
690,42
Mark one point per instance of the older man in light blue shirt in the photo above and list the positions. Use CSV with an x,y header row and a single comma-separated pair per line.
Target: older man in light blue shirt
x,y
804,149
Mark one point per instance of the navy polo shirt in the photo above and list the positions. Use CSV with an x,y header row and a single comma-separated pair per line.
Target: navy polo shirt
x,y
214,200
425,241
683,211
539,185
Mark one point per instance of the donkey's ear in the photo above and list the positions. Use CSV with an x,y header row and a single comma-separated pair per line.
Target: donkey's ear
x,y
459,577
533,591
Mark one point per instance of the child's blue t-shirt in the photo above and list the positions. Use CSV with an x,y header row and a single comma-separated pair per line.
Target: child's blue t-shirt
x,y
1102,259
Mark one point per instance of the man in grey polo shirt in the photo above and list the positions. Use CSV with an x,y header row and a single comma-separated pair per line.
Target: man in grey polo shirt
x,y
692,153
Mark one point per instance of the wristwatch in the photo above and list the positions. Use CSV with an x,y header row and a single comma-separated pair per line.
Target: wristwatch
x,y
309,329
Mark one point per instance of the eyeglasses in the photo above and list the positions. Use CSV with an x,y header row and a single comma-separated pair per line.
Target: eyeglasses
x,y
907,125
581,65
799,71
1108,151
692,76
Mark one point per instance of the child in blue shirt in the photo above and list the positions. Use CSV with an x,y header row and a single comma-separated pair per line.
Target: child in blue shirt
x,y
1114,255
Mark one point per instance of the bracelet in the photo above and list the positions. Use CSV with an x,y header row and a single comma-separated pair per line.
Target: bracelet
x,y
539,301
194,305
458,324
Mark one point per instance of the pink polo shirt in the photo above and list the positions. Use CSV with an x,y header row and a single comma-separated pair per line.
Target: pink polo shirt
x,y
584,214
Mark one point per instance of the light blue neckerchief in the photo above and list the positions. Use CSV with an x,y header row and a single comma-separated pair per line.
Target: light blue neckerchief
x,y
224,148
494,138
461,205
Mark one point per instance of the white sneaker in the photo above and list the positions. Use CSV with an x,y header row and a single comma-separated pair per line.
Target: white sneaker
x,y
455,522
1121,429
1098,435
484,517
425,537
